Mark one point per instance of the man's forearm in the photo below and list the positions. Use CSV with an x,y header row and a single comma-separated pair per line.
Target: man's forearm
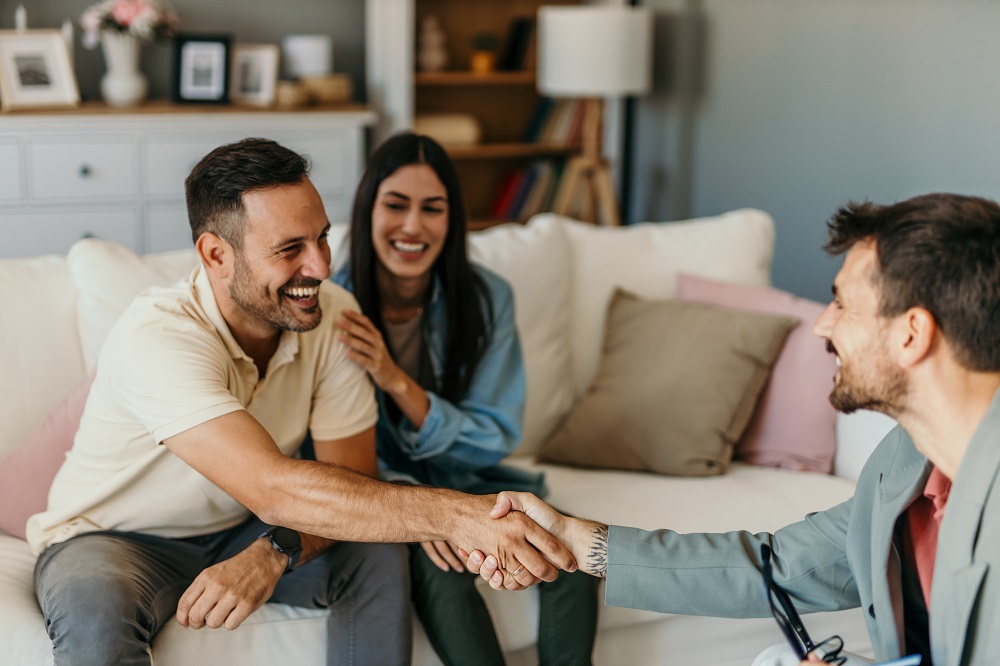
x,y
595,561
337,503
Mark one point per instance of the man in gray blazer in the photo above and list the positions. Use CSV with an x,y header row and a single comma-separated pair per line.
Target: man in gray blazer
x,y
915,325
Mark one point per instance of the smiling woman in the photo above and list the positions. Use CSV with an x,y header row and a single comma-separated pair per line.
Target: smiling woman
x,y
436,335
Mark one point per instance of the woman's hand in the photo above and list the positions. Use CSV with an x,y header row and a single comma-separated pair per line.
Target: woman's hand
x,y
444,555
366,347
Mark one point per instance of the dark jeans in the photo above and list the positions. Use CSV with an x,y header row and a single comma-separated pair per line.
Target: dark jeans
x,y
459,626
106,594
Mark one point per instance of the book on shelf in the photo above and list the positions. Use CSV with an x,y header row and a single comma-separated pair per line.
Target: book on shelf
x,y
517,44
564,121
505,193
536,122
537,195
556,121
550,195
527,191
524,186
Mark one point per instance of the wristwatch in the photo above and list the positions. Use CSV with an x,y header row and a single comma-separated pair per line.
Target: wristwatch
x,y
287,542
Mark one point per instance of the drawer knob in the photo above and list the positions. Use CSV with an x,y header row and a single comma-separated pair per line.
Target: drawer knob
x,y
85,171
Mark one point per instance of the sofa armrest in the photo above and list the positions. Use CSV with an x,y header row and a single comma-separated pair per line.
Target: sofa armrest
x,y
857,436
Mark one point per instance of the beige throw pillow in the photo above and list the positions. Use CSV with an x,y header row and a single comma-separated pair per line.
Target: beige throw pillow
x,y
676,387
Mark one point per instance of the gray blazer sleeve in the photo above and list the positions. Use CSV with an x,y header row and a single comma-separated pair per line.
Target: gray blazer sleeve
x,y
719,574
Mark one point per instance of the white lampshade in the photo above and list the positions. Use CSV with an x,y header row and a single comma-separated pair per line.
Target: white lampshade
x,y
594,50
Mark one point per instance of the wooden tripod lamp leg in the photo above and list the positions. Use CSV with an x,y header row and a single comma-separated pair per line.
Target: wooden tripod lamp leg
x,y
586,190
566,194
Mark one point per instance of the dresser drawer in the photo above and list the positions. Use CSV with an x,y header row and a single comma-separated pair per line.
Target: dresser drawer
x,y
83,169
167,228
29,233
169,160
10,172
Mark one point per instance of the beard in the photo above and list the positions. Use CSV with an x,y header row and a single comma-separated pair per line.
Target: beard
x,y
882,389
259,301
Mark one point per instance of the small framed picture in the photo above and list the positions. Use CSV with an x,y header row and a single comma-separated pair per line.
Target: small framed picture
x,y
201,68
255,74
35,71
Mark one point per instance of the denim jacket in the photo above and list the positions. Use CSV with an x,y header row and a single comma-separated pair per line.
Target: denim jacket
x,y
460,445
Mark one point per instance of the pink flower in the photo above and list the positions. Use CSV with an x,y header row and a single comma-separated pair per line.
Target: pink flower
x,y
125,11
145,20
91,20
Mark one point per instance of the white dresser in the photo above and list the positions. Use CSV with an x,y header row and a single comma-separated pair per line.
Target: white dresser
x,y
120,175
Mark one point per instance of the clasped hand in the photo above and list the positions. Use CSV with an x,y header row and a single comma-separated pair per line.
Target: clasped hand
x,y
490,568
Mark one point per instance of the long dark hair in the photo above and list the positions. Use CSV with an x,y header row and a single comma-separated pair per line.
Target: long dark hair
x,y
466,296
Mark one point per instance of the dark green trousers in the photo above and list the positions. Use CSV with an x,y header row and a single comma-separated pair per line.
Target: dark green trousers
x,y
459,626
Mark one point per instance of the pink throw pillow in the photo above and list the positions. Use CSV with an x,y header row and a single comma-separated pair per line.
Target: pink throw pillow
x,y
794,426
27,473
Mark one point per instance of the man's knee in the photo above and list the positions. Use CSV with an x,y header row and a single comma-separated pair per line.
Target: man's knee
x,y
98,585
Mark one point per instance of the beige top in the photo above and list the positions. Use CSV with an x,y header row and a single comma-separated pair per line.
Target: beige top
x,y
170,363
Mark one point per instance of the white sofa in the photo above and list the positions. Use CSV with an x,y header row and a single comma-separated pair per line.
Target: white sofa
x,y
58,308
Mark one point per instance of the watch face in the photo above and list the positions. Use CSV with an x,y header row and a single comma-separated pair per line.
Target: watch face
x,y
286,539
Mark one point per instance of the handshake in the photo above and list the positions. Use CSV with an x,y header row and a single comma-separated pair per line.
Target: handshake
x,y
562,543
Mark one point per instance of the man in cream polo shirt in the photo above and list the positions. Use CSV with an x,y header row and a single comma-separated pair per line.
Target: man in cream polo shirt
x,y
181,498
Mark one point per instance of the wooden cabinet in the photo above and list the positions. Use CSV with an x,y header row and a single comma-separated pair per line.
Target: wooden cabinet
x,y
120,175
501,102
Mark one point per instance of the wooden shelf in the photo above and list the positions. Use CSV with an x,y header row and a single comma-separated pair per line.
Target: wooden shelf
x,y
520,78
489,151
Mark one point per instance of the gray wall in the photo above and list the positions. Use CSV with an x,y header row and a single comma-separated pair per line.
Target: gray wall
x,y
797,106
248,21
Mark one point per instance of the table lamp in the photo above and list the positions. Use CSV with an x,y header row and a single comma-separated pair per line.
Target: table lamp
x,y
592,52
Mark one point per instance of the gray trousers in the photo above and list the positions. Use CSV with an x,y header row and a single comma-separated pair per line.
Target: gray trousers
x,y
123,586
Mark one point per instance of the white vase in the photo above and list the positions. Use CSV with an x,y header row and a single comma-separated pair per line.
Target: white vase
x,y
123,84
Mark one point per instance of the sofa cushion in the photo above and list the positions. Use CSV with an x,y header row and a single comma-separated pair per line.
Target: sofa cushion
x,y
676,387
794,425
535,260
40,355
645,259
26,474
108,276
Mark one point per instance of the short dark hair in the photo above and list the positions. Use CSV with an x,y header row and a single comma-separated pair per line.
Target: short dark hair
x,y
215,187
940,252
465,293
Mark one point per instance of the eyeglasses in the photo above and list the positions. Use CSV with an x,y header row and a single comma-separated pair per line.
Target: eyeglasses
x,y
791,624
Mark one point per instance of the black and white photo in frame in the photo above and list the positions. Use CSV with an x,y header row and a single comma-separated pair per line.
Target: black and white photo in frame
x,y
35,70
201,68
254,75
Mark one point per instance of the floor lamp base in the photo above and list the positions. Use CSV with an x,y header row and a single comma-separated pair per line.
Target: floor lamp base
x,y
587,193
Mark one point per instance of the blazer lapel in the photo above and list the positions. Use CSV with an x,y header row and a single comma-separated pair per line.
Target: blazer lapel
x,y
898,487
957,574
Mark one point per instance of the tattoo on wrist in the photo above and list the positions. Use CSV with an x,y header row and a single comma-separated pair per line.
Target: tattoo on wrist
x,y
597,555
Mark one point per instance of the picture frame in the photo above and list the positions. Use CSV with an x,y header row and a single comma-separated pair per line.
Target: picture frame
x,y
254,75
35,71
202,68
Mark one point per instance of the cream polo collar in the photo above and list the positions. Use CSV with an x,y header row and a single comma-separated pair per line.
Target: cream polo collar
x,y
288,344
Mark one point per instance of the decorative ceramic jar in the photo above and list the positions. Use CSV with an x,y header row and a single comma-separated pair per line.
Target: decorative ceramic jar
x,y
123,84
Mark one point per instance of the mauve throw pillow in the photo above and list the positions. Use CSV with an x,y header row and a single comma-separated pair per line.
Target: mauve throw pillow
x,y
27,473
794,426
675,388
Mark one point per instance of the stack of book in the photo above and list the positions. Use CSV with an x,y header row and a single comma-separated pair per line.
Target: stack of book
x,y
527,191
556,122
